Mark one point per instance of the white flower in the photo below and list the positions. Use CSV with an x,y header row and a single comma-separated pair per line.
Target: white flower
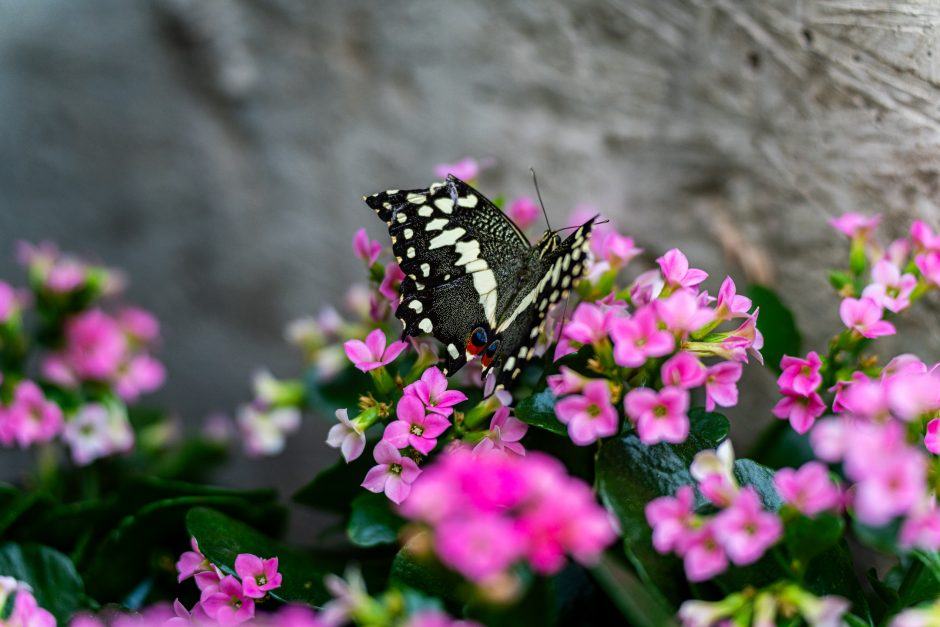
x,y
347,436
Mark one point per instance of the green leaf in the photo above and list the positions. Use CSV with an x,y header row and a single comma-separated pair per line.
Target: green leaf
x,y
342,391
419,569
334,488
51,575
833,572
806,537
777,324
641,606
921,580
761,478
538,410
221,539
15,506
372,521
881,538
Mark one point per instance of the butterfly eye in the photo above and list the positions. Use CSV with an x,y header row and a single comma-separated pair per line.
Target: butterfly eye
x,y
490,353
477,341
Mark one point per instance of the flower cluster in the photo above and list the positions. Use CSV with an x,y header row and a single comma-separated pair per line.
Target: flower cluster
x,y
487,512
783,601
740,532
274,414
25,611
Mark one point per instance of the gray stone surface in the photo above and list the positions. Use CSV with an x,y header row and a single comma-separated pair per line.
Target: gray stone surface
x,y
217,149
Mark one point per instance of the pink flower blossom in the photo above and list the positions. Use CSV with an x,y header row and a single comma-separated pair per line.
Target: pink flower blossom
x,y
97,431
676,272
432,391
659,416
366,249
929,265
703,557
889,288
523,211
27,613
414,427
745,530
589,416
714,472
372,353
259,576
192,562
639,337
932,438
393,475
729,304
391,281
921,529
829,438
721,385
347,435
671,519
141,374
478,546
504,434
864,316
800,376
94,345
911,396
809,489
683,370
10,301
589,324
567,381
616,249
855,225
924,238
682,312
228,604
801,411
467,169
863,397
141,325
31,418
889,488
646,287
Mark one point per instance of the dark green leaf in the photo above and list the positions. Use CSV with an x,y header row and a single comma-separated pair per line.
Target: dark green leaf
x,y
882,538
343,390
421,571
832,572
777,324
806,538
749,472
221,539
52,576
921,580
372,521
641,606
538,410
334,488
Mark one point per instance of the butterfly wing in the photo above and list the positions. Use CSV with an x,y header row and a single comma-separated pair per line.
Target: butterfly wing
x,y
456,249
558,270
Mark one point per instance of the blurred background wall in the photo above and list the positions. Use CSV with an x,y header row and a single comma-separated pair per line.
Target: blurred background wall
x,y
217,149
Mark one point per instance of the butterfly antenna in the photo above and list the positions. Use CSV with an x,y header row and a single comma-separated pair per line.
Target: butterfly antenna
x,y
576,226
535,181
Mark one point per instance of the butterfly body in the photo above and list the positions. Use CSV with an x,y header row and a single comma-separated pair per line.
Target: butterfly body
x,y
473,281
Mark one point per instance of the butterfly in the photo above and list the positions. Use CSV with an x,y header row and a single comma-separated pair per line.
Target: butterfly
x,y
472,279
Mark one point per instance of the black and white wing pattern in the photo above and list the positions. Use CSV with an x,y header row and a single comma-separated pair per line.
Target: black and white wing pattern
x,y
473,281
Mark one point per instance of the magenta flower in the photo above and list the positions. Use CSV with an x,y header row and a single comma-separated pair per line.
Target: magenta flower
x,y
801,411
671,519
683,370
676,272
141,325
391,281
567,381
924,238
10,301
372,353
478,546
932,438
745,530
682,312
703,557
864,316
616,249
432,391
721,384
590,415
504,434
863,397
139,375
921,529
855,225
800,376
259,576
929,265
227,604
415,427
809,489
646,287
729,304
523,211
27,613
393,475
366,249
467,169
589,324
889,288
639,337
890,488
659,416
30,417
192,562
95,346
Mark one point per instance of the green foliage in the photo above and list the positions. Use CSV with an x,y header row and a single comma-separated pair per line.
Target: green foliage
x,y
538,410
372,521
777,324
51,575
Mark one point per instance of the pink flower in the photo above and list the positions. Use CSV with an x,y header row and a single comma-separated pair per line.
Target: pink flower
x,y
258,576
467,169
141,325
745,339
372,353
523,211
911,396
721,385
683,370
855,225
682,312
862,397
478,546
729,304
391,281
639,337
97,431
347,435
414,427
10,302
659,416
671,519
703,556
714,471
227,604
616,249
890,289
809,489
30,417
646,287
828,439
393,475
140,375
95,346
929,265
191,562
800,376
264,430
924,238
366,249
589,324
864,316
890,488
567,381
504,434
932,439
432,391
27,613
745,530
66,275
589,416
676,272
921,529
801,411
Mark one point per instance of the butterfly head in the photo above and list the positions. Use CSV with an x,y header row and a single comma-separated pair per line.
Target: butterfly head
x,y
548,242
